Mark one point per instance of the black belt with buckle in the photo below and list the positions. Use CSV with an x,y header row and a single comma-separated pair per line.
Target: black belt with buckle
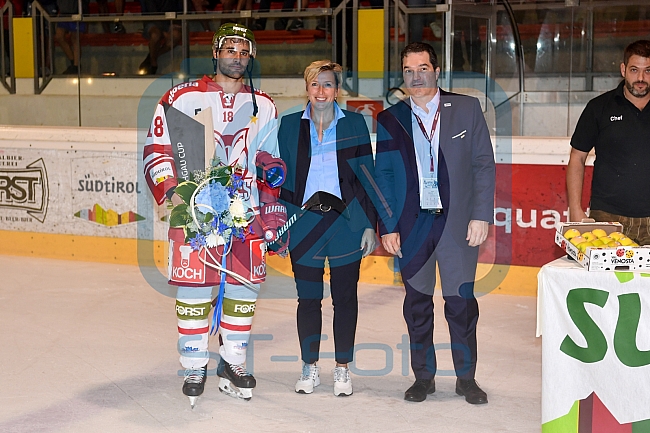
x,y
433,211
324,202
322,208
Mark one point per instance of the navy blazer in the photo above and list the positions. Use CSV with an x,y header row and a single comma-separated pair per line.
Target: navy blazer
x,y
466,168
354,161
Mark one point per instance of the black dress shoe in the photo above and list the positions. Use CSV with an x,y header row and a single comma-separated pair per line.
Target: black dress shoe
x,y
469,388
419,390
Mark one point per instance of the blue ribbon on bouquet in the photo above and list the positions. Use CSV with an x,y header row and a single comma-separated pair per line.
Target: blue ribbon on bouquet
x,y
216,314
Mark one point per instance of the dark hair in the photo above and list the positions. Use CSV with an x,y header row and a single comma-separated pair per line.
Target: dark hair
x,y
638,48
421,47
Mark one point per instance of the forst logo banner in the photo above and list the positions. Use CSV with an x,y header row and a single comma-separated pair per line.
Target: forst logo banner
x,y
23,189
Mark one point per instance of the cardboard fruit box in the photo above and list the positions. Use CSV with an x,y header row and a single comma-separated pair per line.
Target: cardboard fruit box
x,y
619,258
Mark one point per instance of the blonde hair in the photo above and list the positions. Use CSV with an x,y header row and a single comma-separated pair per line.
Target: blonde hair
x,y
315,68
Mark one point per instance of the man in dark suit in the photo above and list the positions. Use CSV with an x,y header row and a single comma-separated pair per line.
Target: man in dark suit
x,y
435,173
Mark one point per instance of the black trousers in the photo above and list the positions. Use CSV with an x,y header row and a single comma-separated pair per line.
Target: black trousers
x,y
426,246
319,236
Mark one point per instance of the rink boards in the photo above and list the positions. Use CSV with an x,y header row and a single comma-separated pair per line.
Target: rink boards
x,y
78,194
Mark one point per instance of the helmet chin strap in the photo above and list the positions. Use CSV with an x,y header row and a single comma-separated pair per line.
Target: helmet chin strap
x,y
249,69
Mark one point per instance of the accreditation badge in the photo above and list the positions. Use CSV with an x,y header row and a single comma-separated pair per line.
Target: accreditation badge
x,y
429,195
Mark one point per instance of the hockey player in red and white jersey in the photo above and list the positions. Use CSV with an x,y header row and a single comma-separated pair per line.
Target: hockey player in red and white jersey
x,y
245,126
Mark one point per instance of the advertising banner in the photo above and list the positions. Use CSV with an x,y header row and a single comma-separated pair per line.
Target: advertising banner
x,y
73,192
24,189
96,193
530,200
595,348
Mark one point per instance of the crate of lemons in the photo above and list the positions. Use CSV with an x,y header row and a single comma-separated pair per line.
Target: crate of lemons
x,y
601,246
597,238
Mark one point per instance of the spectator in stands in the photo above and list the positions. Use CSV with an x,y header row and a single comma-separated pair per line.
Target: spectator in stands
x,y
200,6
64,32
244,5
50,7
161,34
322,23
325,23
281,23
418,21
467,30
118,27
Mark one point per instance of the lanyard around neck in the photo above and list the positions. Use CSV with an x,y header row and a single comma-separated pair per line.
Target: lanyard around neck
x,y
429,137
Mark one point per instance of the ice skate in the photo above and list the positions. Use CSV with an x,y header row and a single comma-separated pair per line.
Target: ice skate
x,y
235,381
194,383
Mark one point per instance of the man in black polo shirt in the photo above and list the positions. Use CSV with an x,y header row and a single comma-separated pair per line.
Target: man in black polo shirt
x,y
617,124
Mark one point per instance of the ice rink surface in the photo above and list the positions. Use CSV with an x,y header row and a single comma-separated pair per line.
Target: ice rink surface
x,y
91,347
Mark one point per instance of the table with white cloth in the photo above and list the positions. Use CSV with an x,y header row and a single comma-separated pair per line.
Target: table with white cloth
x,y
595,349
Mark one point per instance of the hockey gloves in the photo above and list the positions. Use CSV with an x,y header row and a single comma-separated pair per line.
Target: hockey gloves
x,y
271,173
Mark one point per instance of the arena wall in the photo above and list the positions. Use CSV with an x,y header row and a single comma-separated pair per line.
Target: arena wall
x,y
77,194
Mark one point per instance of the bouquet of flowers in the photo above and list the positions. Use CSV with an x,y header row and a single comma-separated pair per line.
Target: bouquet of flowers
x,y
212,212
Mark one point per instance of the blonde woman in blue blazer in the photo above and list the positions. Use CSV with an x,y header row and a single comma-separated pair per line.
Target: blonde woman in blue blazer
x,y
327,149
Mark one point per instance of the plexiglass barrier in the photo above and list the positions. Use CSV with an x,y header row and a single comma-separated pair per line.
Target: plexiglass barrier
x,y
537,61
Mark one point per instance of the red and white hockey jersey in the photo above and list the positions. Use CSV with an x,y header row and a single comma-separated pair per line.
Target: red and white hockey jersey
x,y
238,135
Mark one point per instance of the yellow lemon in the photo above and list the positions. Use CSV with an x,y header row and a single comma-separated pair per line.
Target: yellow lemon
x,y
606,239
616,235
583,246
577,239
571,233
599,233
626,241
589,236
598,242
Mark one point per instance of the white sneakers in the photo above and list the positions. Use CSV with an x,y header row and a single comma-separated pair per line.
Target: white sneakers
x,y
342,381
309,379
